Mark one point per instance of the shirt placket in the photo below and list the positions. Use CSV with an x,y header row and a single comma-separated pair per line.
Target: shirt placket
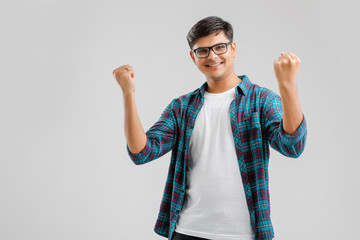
x,y
193,112
234,115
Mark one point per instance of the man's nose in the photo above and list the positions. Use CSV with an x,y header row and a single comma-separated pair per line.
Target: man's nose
x,y
212,55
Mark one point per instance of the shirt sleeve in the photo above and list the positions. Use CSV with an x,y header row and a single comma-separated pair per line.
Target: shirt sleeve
x,y
289,145
160,138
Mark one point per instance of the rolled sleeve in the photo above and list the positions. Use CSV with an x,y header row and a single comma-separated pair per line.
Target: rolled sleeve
x,y
298,135
139,158
160,138
288,145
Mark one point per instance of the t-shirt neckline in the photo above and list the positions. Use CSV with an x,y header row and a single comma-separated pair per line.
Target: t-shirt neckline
x,y
221,93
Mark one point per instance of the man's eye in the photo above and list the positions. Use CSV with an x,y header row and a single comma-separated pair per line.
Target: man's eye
x,y
220,47
201,51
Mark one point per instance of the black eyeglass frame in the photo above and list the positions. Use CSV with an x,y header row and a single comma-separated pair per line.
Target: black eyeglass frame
x,y
211,48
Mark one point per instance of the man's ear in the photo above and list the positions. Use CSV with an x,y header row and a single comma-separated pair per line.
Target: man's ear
x,y
192,56
233,46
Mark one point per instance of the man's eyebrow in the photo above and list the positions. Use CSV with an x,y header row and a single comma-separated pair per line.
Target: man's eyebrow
x,y
209,46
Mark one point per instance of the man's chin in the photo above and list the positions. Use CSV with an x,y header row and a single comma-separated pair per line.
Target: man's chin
x,y
214,76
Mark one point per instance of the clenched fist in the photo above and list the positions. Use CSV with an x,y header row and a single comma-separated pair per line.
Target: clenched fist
x,y
124,75
286,68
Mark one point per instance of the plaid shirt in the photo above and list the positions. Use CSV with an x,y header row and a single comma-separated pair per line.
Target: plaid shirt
x,y
256,123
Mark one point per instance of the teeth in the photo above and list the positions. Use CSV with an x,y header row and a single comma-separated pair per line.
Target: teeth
x,y
214,64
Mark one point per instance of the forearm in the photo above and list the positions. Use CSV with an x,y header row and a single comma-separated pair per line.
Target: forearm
x,y
134,132
292,113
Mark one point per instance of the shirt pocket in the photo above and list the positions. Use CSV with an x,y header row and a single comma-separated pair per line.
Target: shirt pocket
x,y
254,132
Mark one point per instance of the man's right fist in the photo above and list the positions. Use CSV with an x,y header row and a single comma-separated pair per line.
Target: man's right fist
x,y
124,75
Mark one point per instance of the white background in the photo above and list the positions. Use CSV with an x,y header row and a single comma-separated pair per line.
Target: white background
x,y
64,169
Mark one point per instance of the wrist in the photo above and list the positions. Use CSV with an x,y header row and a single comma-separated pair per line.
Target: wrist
x,y
128,93
287,85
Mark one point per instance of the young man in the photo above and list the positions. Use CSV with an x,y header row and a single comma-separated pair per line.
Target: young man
x,y
219,134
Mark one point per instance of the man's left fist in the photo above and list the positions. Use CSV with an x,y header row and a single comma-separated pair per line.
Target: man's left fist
x,y
286,68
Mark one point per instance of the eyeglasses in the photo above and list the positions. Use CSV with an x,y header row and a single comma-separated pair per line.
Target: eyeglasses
x,y
218,49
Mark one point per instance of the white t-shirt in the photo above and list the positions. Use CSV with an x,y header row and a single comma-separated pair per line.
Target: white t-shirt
x,y
215,206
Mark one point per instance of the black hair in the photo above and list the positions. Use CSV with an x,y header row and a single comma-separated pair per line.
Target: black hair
x,y
208,26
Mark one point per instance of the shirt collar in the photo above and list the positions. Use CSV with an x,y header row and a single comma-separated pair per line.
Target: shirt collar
x,y
242,88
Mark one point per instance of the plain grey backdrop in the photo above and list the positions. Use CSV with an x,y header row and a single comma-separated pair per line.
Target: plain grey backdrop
x,y
65,172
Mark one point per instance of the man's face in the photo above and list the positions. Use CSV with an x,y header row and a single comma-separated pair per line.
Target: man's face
x,y
215,67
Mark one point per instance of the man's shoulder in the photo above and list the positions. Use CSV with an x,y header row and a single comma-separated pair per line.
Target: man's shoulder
x,y
186,98
262,92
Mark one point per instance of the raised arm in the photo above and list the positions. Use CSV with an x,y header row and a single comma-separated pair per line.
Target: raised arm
x,y
285,123
134,131
144,147
286,68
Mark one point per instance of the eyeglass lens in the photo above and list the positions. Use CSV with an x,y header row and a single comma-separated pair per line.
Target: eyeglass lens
x,y
218,49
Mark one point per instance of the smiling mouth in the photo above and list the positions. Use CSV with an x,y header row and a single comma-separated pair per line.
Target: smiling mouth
x,y
214,64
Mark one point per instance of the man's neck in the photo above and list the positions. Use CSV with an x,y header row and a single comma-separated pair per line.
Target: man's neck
x,y
222,85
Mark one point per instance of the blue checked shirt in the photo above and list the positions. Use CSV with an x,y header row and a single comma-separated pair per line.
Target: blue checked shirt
x,y
256,123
